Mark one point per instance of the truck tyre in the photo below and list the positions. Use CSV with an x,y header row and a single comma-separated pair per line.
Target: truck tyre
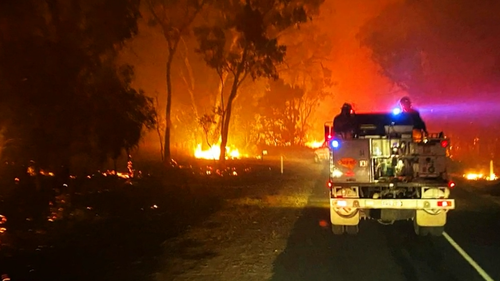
x,y
436,230
337,229
420,230
352,229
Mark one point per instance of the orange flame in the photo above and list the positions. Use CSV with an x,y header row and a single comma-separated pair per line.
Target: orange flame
x,y
213,153
314,144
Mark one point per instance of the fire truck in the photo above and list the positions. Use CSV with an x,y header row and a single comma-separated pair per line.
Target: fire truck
x,y
388,171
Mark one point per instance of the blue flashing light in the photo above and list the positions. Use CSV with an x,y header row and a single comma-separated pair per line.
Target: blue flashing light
x,y
334,144
396,111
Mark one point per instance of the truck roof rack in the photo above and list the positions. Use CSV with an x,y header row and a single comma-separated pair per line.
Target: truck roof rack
x,y
380,124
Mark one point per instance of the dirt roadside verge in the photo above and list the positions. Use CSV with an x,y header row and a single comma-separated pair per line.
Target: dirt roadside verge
x,y
241,241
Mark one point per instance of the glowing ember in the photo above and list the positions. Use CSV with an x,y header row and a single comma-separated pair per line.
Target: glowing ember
x,y
314,144
214,152
31,171
114,173
46,173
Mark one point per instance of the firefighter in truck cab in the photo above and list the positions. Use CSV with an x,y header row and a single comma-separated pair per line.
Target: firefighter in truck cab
x,y
406,107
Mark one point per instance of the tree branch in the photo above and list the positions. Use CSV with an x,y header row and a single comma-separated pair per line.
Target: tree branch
x,y
245,74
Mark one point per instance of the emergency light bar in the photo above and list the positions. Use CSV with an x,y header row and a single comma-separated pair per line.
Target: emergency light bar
x,y
334,144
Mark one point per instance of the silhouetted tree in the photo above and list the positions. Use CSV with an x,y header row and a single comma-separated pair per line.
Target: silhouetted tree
x,y
121,114
61,90
243,43
174,17
280,111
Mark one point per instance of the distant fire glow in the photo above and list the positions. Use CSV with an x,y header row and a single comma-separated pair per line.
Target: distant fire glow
x,y
213,153
480,176
473,176
314,144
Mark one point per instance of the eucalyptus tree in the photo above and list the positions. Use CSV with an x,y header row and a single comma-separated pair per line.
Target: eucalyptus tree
x,y
243,42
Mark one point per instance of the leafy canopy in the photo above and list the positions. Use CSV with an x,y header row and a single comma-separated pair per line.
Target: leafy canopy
x,y
60,89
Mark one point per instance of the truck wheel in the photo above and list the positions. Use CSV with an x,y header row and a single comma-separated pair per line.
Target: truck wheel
x,y
337,229
352,229
420,230
436,230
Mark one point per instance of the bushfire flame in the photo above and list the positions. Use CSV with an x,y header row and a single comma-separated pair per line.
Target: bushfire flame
x,y
480,176
213,153
314,144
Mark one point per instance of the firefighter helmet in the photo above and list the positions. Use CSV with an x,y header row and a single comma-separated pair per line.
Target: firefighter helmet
x,y
347,108
405,104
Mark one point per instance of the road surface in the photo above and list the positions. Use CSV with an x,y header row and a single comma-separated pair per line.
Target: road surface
x,y
470,249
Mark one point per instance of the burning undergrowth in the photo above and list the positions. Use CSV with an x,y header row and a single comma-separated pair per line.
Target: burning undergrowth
x,y
109,222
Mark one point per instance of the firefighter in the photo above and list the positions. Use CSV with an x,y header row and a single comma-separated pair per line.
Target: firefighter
x,y
406,107
344,124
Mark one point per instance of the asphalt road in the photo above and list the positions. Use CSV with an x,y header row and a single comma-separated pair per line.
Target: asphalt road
x,y
394,252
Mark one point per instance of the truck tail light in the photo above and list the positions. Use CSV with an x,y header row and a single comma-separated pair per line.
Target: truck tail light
x,y
329,184
444,203
328,133
451,184
444,143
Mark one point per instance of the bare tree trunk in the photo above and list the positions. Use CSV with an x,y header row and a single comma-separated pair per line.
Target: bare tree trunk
x,y
220,98
159,127
227,112
227,118
168,125
190,84
222,107
216,131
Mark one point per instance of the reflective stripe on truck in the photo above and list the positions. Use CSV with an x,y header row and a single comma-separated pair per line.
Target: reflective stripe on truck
x,y
415,204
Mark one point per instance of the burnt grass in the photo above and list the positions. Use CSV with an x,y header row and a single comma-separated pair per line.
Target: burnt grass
x,y
111,228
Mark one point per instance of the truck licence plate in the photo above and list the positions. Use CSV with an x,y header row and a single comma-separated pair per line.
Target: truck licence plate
x,y
392,203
